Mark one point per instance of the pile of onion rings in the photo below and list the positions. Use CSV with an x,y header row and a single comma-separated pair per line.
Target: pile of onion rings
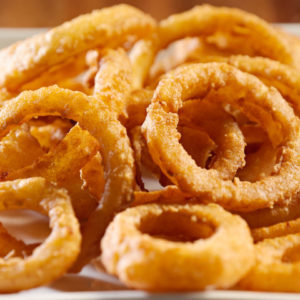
x,y
205,104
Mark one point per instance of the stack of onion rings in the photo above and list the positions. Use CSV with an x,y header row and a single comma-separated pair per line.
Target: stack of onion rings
x,y
206,103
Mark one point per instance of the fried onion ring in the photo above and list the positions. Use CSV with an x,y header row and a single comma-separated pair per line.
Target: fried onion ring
x,y
107,27
113,81
277,267
261,104
18,149
205,20
53,257
94,116
222,129
134,248
270,216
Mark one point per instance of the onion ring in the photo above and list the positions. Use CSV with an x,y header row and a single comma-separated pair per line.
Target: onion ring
x,y
106,27
136,107
94,116
224,131
92,175
274,115
277,267
260,164
129,250
206,20
273,73
60,249
49,132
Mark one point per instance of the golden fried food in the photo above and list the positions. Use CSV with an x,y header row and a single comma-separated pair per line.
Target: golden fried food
x,y
237,30
108,27
62,165
113,82
276,267
146,133
95,117
183,243
18,149
49,132
269,216
57,253
222,129
223,81
276,230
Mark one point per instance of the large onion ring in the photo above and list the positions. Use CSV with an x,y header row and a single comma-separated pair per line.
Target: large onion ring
x,y
261,104
94,116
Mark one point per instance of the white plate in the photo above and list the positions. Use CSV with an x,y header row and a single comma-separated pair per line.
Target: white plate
x,y
91,284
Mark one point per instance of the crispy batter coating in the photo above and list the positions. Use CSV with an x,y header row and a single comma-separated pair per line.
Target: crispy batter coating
x,y
150,247
261,104
57,253
94,116
107,27
276,267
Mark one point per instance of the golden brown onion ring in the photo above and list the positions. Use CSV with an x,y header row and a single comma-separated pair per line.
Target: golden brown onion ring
x,y
49,132
107,27
222,129
92,175
273,73
94,116
277,266
270,216
206,20
200,240
136,107
18,149
260,164
58,252
261,104
168,195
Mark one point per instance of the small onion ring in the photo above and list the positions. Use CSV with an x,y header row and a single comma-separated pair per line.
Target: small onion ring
x,y
275,269
222,129
53,257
